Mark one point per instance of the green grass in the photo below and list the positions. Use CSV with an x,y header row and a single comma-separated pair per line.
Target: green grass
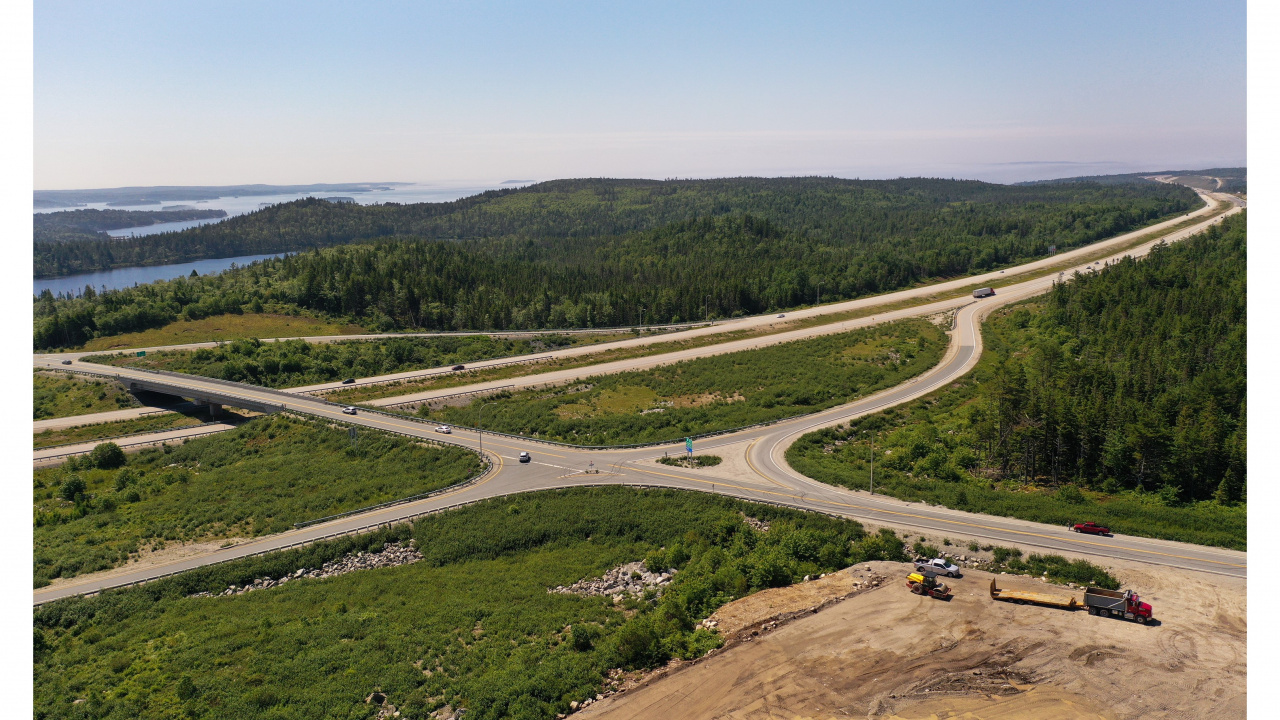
x,y
696,461
294,363
715,393
258,479
226,327
66,394
474,614
119,428
923,454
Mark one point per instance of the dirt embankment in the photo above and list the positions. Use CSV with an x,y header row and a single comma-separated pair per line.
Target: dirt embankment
x,y
881,652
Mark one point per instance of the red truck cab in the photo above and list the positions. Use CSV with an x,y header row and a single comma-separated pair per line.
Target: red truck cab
x,y
1125,604
1092,528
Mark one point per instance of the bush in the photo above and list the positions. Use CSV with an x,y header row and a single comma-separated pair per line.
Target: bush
x,y
71,488
107,456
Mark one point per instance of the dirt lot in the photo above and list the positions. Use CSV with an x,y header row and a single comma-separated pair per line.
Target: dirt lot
x,y
882,652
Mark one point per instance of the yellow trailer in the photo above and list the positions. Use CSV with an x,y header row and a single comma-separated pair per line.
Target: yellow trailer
x,y
1068,602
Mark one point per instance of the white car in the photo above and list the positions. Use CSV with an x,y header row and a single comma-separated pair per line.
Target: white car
x,y
348,410
782,315
444,430
938,566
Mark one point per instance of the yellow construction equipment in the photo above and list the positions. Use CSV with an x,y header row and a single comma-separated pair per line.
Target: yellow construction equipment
x,y
1026,597
927,584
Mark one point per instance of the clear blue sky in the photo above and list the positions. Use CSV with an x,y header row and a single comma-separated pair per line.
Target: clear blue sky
x,y
148,93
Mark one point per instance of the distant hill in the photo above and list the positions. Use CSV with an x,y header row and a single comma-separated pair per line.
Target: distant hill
x,y
1232,179
72,226
170,193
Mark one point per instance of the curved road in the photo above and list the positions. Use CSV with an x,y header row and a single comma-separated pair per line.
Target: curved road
x,y
765,477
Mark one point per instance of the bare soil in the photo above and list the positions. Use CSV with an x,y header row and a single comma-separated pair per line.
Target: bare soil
x,y
832,649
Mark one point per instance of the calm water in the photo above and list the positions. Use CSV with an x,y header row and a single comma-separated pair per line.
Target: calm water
x,y
128,277
239,205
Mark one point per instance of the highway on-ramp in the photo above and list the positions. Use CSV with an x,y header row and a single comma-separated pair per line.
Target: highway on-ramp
x,y
767,477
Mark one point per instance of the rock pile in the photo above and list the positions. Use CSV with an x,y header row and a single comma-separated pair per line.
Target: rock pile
x,y
629,579
391,556
755,524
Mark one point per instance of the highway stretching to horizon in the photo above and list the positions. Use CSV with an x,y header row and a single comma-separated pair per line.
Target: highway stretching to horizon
x,y
754,469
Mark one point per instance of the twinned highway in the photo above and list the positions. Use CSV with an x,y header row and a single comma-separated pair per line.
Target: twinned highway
x,y
754,467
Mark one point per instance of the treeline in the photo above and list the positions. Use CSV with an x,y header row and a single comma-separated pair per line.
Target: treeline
x,y
80,226
718,266
1129,382
828,210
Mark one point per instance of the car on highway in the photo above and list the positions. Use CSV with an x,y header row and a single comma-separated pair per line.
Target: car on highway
x,y
782,315
348,381
938,566
66,362
444,430
524,457
348,410
459,367
1091,528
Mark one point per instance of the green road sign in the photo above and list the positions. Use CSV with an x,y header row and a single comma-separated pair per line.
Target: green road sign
x,y
688,444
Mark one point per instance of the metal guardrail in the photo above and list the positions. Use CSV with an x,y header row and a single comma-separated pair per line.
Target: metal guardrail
x,y
117,437
129,445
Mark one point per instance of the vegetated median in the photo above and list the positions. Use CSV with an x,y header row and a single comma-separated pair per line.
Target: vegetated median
x,y
715,393
159,422
1118,398
471,625
102,510
293,363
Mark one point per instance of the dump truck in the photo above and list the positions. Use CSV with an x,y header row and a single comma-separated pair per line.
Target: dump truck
x,y
1030,597
1125,604
926,583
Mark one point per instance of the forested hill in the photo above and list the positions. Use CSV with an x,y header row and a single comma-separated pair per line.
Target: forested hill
x,y
733,264
88,225
829,210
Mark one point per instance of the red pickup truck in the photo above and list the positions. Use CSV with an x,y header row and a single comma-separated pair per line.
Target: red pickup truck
x,y
1091,528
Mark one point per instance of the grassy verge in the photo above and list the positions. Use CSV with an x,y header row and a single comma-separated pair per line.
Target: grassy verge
x,y
923,454
469,626
225,327
714,393
120,428
696,461
294,363
95,514
67,394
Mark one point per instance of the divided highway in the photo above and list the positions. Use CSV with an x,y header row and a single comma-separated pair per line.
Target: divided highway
x,y
754,467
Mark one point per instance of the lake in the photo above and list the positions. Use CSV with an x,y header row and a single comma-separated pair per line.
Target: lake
x,y
128,277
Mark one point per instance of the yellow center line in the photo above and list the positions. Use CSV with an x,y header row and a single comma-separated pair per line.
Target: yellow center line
x,y
753,466
944,520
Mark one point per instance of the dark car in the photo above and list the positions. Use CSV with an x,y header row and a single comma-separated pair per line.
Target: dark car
x,y
348,381
524,457
459,367
1091,528
66,362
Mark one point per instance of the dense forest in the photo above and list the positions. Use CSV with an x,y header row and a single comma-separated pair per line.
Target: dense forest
x,y
89,226
552,259
1131,380
826,210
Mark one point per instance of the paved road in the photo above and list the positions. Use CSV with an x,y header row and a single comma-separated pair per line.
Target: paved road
x,y
767,478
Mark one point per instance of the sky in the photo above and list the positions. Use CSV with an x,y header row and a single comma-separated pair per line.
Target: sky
x,y
150,93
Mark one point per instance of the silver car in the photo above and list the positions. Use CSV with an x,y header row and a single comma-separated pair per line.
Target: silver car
x,y
938,566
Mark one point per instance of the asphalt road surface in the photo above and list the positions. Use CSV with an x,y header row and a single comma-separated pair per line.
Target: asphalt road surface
x,y
767,479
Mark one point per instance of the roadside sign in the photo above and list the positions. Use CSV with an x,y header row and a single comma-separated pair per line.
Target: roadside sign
x,y
688,445
142,353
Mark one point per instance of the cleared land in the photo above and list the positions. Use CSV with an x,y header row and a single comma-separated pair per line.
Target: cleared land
x,y
885,653
255,480
225,327
471,624
714,393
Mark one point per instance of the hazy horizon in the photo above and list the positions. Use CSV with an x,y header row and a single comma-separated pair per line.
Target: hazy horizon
x,y
150,94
